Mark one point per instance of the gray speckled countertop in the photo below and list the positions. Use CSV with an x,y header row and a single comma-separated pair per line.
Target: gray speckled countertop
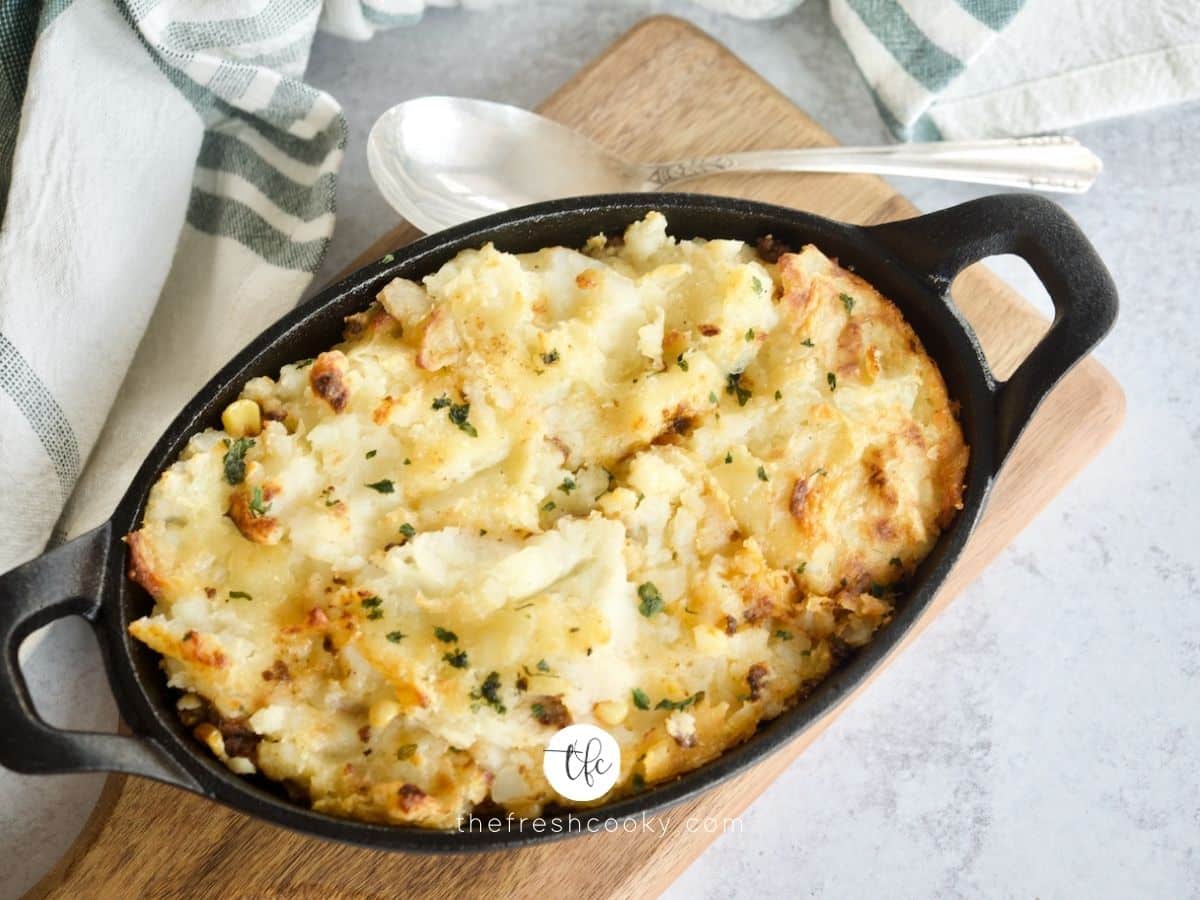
x,y
1041,738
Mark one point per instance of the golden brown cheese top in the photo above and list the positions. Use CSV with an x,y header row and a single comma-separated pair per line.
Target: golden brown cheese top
x,y
659,486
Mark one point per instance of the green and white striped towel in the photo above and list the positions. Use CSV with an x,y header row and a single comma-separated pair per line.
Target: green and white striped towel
x,y
960,69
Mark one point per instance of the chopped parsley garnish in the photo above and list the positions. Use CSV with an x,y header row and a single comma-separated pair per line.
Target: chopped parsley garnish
x,y
407,461
239,595
391,257
895,561
801,567
258,508
446,637
831,380
778,395
681,362
458,415
807,342
762,474
712,397
235,459
733,385
640,700
783,635
549,506
568,485
757,283
441,402
651,599
538,710
384,486
372,606
458,659
550,358
407,530
371,454
396,636
728,457
543,666
680,704
749,335
848,302
304,363
327,493
405,751
489,692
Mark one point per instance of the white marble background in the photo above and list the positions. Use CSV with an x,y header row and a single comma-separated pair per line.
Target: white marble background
x,y
1042,738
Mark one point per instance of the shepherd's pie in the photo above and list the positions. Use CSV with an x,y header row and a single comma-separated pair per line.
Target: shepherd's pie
x,y
659,486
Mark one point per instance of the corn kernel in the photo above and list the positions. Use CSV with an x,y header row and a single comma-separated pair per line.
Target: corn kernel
x,y
382,712
242,418
611,712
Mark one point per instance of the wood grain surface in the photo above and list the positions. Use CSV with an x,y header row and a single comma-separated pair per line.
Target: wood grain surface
x,y
664,90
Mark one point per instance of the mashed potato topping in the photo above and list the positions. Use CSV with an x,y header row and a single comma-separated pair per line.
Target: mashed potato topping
x,y
660,486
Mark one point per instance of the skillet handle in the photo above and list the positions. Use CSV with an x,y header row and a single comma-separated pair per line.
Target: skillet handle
x,y
66,581
944,243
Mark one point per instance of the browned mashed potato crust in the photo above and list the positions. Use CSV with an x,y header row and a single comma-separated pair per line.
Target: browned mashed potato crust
x,y
660,486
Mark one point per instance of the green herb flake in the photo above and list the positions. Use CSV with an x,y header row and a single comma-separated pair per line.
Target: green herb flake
x,y
848,302
783,635
779,395
549,506
384,486
235,459
712,397
446,637
441,402
396,636
640,700
305,363
800,567
681,362
757,284
807,342
239,595
543,666
550,358
568,485
407,461
457,659
680,704
371,454
405,751
895,561
733,385
728,457
831,380
762,474
489,692
327,494
538,710
258,508
749,335
407,530
458,415
391,257
651,599
638,781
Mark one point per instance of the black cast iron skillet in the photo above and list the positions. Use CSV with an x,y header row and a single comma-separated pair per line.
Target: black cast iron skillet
x,y
911,262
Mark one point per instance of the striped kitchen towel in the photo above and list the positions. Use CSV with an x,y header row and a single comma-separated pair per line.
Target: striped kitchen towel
x,y
960,69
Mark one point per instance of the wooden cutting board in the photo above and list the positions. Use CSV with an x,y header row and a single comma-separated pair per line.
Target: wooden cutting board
x,y
664,90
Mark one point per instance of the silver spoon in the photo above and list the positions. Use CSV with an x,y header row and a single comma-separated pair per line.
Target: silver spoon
x,y
440,161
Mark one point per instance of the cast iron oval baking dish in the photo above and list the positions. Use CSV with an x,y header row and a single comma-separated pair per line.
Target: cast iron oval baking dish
x,y
911,262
